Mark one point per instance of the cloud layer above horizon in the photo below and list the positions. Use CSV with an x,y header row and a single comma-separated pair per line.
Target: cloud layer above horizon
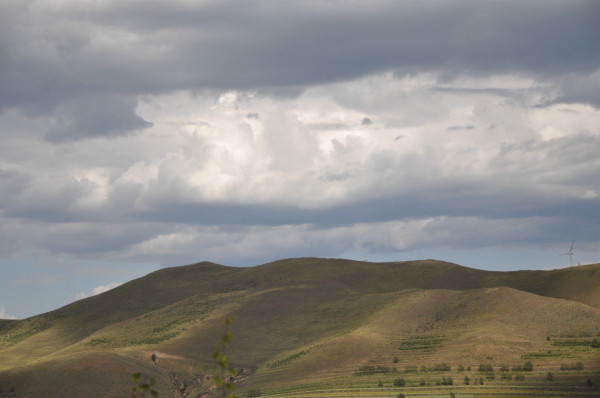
x,y
242,132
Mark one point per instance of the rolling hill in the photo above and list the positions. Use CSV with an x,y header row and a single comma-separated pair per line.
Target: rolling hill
x,y
319,327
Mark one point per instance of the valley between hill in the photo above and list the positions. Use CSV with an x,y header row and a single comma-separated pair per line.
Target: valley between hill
x,y
312,327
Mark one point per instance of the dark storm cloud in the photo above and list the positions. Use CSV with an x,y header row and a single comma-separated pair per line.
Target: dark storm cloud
x,y
52,55
577,89
452,199
95,116
50,199
12,183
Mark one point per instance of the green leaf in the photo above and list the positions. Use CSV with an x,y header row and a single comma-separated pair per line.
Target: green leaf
x,y
144,387
136,376
154,393
152,381
227,338
218,381
230,386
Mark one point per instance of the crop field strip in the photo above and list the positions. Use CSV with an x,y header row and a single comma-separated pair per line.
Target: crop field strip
x,y
367,378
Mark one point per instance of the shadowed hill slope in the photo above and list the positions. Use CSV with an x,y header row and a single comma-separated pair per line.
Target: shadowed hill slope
x,y
575,283
5,322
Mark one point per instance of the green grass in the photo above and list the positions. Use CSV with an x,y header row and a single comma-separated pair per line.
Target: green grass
x,y
21,332
573,343
426,343
287,360
540,355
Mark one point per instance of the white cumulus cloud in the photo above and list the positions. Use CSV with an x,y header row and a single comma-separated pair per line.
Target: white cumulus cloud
x,y
4,314
97,290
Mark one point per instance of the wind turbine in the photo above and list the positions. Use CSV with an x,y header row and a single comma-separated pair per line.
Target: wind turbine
x,y
570,252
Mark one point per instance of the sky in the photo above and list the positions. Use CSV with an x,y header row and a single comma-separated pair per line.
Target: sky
x,y
137,135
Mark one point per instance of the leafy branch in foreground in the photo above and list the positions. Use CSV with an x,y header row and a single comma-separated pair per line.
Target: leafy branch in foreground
x,y
143,384
224,379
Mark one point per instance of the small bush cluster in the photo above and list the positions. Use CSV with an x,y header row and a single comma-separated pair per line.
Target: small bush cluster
x,y
585,333
574,366
440,367
286,360
254,393
446,381
371,370
34,328
485,368
527,367
595,343
399,382
99,341
422,343
154,339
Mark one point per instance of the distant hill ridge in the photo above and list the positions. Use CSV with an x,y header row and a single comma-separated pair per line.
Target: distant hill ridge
x,y
316,309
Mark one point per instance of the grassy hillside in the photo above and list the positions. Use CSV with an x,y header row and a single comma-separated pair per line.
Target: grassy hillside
x,y
307,326
5,322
